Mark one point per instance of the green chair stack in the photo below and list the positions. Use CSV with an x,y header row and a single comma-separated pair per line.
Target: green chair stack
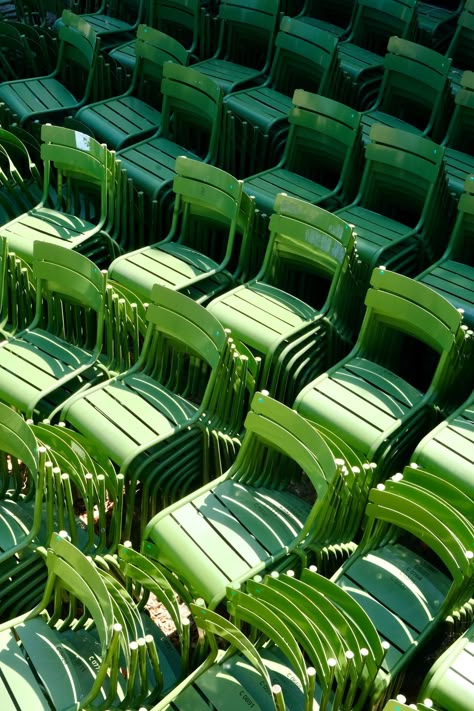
x,y
112,20
59,351
361,53
320,162
245,45
436,21
412,568
300,313
255,120
190,126
415,94
69,85
402,210
198,251
452,275
84,643
136,114
407,365
460,48
255,516
76,208
150,419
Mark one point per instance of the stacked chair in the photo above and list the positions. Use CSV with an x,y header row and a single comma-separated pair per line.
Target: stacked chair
x,y
458,145
77,198
70,85
452,275
250,518
460,48
195,255
435,21
335,17
151,418
113,20
122,120
377,398
255,120
293,313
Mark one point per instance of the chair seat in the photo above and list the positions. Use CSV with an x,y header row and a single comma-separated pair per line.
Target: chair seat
x,y
120,120
260,314
362,402
372,117
16,521
355,60
375,232
125,54
48,226
36,95
172,265
261,106
105,24
34,362
400,591
225,74
266,186
151,163
129,413
455,281
243,527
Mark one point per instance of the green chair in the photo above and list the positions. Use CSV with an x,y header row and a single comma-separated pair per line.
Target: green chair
x,y
402,209
309,264
195,255
334,17
190,124
136,114
75,208
415,92
361,53
245,44
458,145
436,21
255,120
112,20
58,352
452,275
406,591
320,159
64,90
377,399
448,449
449,683
250,518
83,650
180,19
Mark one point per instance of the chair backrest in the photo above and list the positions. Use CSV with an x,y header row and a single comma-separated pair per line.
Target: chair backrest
x,y
304,58
406,323
460,133
153,48
64,276
247,31
375,21
18,439
307,250
80,162
192,105
389,154
415,84
207,205
179,19
324,141
337,12
78,54
461,242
